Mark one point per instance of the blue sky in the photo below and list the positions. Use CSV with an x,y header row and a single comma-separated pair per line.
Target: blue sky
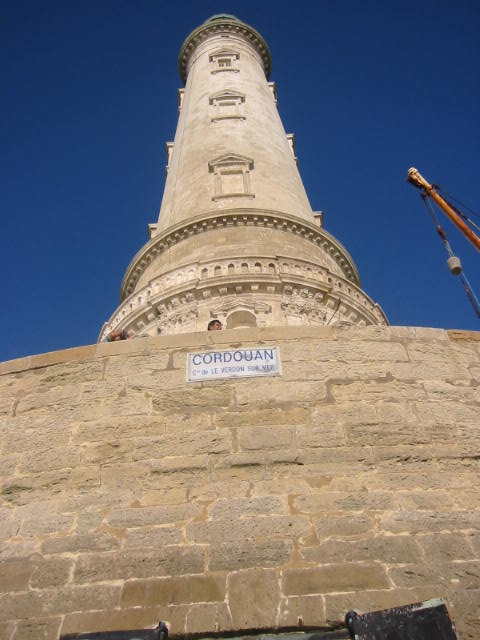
x,y
90,97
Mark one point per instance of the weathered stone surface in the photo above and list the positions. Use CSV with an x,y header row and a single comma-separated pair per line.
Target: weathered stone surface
x,y
83,542
341,501
115,619
334,578
203,617
426,521
243,507
341,526
181,590
364,496
385,549
140,563
37,629
142,516
277,415
299,611
373,600
152,536
447,546
33,604
178,444
15,576
264,438
232,556
52,572
221,531
254,597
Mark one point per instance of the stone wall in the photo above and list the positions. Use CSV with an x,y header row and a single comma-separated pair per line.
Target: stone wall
x,y
129,496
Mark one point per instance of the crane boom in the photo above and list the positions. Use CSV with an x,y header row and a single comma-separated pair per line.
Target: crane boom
x,y
415,178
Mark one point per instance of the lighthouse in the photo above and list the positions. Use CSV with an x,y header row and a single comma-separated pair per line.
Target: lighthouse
x,y
236,238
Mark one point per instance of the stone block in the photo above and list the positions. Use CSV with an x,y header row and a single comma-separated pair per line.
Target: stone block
x,y
34,604
347,413
264,438
254,597
300,611
433,352
86,542
15,576
197,397
51,572
130,404
244,507
174,590
221,531
120,347
17,550
281,486
385,549
106,452
448,413
406,433
334,578
418,574
289,415
380,390
71,372
140,563
233,556
7,628
144,516
426,500
239,467
123,619
41,523
48,398
447,370
37,629
326,435
360,351
426,521
342,501
51,458
183,443
344,526
188,421
204,618
273,391
119,428
337,605
65,355
144,537
14,366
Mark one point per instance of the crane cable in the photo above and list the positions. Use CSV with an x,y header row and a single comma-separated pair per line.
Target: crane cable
x,y
456,209
466,284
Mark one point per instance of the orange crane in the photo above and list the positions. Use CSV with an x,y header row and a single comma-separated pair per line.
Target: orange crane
x,y
458,218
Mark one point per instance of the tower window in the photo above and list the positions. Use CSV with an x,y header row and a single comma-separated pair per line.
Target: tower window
x,y
224,60
227,104
231,176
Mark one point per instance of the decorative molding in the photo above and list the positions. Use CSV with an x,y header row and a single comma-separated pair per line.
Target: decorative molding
x,y
228,26
303,290
232,218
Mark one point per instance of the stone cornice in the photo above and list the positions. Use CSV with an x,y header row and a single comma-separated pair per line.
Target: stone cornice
x,y
225,25
233,218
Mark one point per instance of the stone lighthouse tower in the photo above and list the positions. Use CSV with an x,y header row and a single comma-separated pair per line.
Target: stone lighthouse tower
x,y
236,238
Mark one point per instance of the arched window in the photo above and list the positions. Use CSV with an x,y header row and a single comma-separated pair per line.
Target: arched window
x,y
241,320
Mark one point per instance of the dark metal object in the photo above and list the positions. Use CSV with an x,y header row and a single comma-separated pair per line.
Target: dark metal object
x,y
159,633
420,621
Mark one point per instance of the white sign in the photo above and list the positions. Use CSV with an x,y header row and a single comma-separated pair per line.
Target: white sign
x,y
234,363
